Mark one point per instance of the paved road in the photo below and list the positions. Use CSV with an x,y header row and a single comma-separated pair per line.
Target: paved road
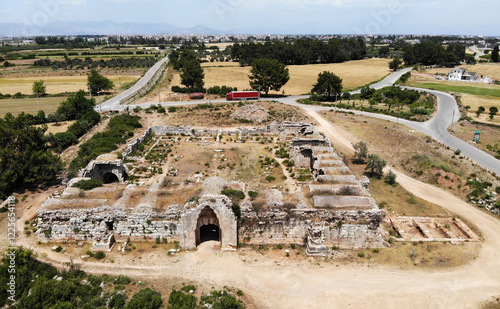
x,y
114,103
447,114
386,82
478,52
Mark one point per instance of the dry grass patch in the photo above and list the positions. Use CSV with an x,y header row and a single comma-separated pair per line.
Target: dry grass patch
x,y
29,105
474,101
55,84
465,130
399,201
428,255
60,127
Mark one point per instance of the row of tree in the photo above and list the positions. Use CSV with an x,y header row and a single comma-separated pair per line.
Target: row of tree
x,y
429,53
78,63
302,51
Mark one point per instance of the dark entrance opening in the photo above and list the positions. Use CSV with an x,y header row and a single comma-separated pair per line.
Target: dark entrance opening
x,y
207,227
209,232
308,156
109,225
109,178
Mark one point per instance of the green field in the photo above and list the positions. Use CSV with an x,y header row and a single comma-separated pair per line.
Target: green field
x,y
29,105
480,89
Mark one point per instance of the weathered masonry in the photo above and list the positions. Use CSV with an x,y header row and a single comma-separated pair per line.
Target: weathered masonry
x,y
331,206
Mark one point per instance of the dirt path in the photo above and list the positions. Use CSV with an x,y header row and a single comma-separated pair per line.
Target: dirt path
x,y
284,283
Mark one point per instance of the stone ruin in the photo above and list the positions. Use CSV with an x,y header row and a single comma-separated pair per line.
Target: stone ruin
x,y
334,207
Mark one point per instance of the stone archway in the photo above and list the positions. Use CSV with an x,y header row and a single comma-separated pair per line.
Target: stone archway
x,y
207,226
213,210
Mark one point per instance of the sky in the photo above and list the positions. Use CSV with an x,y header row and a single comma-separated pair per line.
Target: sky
x,y
461,17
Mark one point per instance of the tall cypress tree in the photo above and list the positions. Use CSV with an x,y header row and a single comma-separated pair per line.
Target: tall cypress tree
x,y
494,54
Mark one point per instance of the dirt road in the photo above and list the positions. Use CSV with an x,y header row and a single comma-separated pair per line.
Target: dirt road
x,y
284,283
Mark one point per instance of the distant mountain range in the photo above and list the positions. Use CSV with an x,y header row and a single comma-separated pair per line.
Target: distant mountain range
x,y
99,28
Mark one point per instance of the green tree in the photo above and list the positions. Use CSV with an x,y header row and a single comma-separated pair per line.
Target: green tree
x,y
25,159
384,51
39,88
375,165
97,83
390,178
192,75
75,106
367,92
328,84
268,74
395,64
117,301
227,301
180,300
145,299
494,54
361,152
480,110
493,112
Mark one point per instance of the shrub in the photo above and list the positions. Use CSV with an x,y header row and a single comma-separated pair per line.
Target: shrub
x,y
63,140
122,280
188,288
179,300
147,299
88,184
390,178
252,194
100,255
239,195
117,301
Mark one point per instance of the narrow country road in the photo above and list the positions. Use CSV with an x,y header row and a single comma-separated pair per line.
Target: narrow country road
x,y
114,103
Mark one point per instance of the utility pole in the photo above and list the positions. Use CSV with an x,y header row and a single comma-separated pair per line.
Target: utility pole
x,y
159,99
453,117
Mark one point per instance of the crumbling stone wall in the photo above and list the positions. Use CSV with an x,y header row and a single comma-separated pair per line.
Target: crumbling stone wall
x,y
100,170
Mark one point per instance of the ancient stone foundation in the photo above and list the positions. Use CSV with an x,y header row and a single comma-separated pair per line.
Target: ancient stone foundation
x,y
334,208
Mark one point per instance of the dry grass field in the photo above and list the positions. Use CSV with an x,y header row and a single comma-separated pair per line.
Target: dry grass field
x,y
486,69
474,101
221,46
60,127
55,84
302,77
29,105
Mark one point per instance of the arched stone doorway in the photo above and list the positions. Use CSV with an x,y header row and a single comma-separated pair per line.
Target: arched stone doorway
x,y
215,210
109,178
207,227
